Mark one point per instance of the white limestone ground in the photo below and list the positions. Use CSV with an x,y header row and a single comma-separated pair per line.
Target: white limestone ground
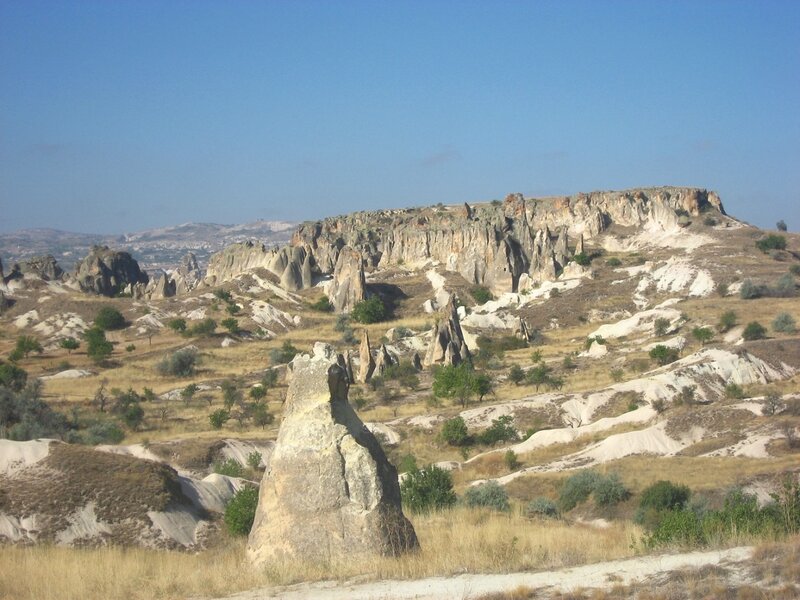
x,y
603,575
269,316
642,322
27,319
68,374
15,456
676,275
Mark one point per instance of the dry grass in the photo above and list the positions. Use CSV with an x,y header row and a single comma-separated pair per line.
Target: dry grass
x,y
461,540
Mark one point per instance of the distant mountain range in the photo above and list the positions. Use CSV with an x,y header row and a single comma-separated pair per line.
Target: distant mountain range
x,y
160,248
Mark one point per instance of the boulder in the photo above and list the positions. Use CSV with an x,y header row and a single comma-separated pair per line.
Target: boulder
x,y
349,285
366,362
44,267
447,345
329,494
108,272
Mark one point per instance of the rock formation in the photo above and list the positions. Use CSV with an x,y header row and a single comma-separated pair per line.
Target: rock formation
x,y
416,361
292,265
579,248
366,363
187,275
44,267
447,340
329,494
383,361
2,276
349,285
160,286
108,272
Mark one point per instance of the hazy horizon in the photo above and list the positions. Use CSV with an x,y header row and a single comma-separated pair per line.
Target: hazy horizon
x,y
128,116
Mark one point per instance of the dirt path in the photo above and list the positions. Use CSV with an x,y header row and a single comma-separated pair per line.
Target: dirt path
x,y
472,586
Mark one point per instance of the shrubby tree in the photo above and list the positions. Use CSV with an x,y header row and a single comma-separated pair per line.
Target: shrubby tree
x,y
454,432
727,321
98,348
663,355
218,418
241,511
460,382
69,344
661,326
702,334
487,495
754,331
371,310
25,416
25,345
784,323
516,375
284,354
180,363
109,318
781,225
771,242
427,489
177,325
231,324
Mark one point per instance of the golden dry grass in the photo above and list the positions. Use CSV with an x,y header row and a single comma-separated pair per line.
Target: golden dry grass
x,y
456,541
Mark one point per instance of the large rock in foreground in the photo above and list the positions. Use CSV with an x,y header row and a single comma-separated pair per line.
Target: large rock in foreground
x,y
329,493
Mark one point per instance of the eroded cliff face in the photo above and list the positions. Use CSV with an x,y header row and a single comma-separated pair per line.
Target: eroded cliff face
x,y
497,245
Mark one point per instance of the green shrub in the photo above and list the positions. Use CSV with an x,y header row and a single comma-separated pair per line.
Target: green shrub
x,y
231,324
781,225
254,460
230,467
177,325
663,355
577,489
342,323
661,326
98,348
751,290
69,344
322,305
371,310
510,459
610,491
702,334
25,416
499,345
12,377
454,432
223,295
481,294
218,418
103,432
284,354
261,416
784,287
771,242
180,363
734,391
109,318
487,495
427,489
543,508
203,328
460,382
133,415
583,260
614,262
616,374
407,463
754,331
661,496
795,270
516,375
682,527
727,321
241,511
25,345
784,323
501,430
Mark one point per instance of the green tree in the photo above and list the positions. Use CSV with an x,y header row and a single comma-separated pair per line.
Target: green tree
x,y
427,489
538,375
231,324
771,242
69,344
258,392
241,510
27,344
516,375
188,392
784,323
133,415
754,331
371,310
261,416
663,355
702,334
322,305
98,348
109,318
481,294
12,377
661,326
205,327
459,382
454,432
177,325
218,418
781,225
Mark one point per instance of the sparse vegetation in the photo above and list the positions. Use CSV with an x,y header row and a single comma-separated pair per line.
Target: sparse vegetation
x,y
241,511
109,318
427,489
481,294
727,321
284,354
663,355
322,305
180,363
754,331
771,242
784,323
371,310
489,495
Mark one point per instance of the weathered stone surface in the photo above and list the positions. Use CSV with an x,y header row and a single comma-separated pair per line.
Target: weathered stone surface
x,y
579,247
349,285
383,360
366,362
329,493
496,244
416,361
108,272
160,286
447,345
188,274
44,267
287,263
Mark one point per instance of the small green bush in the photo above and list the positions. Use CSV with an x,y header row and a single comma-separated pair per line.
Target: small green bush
x,y
98,348
610,491
754,331
663,355
230,467
487,495
734,391
180,363
109,318
481,294
284,354
510,459
231,324
516,375
727,321
583,260
322,305
614,262
664,495
501,430
771,242
177,325
499,345
661,326
241,511
543,508
751,290
69,344
371,310
784,287
12,377
702,334
218,418
133,415
427,489
205,327
103,432
254,460
577,489
454,432
784,323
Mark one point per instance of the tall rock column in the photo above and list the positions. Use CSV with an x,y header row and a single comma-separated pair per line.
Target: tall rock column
x,y
330,494
447,340
366,365
349,285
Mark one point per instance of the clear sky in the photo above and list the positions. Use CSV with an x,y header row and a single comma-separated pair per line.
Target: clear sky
x,y
123,115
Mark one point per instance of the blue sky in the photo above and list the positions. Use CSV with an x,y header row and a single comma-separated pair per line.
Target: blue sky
x,y
118,116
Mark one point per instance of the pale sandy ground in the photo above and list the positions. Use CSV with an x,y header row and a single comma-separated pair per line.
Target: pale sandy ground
x,y
472,586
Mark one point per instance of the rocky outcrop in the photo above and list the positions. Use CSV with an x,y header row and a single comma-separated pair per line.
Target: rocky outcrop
x,y
349,284
497,244
108,272
188,274
384,360
160,286
579,247
447,345
366,363
44,267
329,493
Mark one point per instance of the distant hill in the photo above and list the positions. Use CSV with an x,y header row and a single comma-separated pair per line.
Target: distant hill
x,y
153,248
